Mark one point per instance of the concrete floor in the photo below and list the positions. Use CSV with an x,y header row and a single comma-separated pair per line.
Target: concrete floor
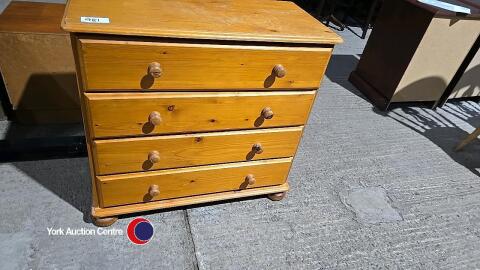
x,y
368,190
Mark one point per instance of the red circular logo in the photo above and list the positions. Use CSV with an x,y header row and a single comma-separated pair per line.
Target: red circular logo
x,y
140,231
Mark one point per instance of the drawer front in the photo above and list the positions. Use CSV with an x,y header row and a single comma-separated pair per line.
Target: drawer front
x,y
120,65
127,114
174,183
175,151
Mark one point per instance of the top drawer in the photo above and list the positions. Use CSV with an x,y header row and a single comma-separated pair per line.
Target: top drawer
x,y
133,65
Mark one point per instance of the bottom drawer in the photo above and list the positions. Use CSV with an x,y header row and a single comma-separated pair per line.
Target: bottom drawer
x,y
130,188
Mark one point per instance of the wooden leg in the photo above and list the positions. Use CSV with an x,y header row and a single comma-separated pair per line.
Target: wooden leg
x,y
104,222
277,196
369,18
468,139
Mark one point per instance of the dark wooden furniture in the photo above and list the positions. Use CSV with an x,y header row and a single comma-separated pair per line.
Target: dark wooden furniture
x,y
414,52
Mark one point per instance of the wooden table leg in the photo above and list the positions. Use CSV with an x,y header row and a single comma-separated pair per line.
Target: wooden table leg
x,y
472,136
369,18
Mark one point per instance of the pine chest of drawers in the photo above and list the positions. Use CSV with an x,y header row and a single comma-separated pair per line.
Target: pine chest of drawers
x,y
193,101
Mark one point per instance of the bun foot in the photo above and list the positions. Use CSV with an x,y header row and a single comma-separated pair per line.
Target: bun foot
x,y
104,222
277,196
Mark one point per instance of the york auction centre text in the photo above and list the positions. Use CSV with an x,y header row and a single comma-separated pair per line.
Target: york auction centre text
x,y
84,231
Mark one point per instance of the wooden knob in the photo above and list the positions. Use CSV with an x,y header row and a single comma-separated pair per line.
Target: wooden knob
x,y
155,70
153,191
155,118
279,71
267,113
257,148
154,156
250,179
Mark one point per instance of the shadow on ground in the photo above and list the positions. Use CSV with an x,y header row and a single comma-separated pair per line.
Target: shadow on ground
x,y
445,126
69,179
339,69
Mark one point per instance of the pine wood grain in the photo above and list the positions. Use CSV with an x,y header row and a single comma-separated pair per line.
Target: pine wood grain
x,y
162,71
131,154
127,114
174,183
86,125
277,21
119,65
184,201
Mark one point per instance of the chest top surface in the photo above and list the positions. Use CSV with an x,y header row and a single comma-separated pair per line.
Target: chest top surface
x,y
241,20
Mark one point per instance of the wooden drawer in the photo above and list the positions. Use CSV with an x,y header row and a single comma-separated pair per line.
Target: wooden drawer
x,y
174,183
127,114
174,151
120,65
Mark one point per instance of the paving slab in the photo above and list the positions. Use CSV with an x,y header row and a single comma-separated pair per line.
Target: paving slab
x,y
349,145
371,205
36,195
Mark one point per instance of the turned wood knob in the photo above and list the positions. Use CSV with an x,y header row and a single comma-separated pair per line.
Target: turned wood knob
x,y
279,71
153,191
257,148
267,113
250,179
155,70
154,118
154,156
